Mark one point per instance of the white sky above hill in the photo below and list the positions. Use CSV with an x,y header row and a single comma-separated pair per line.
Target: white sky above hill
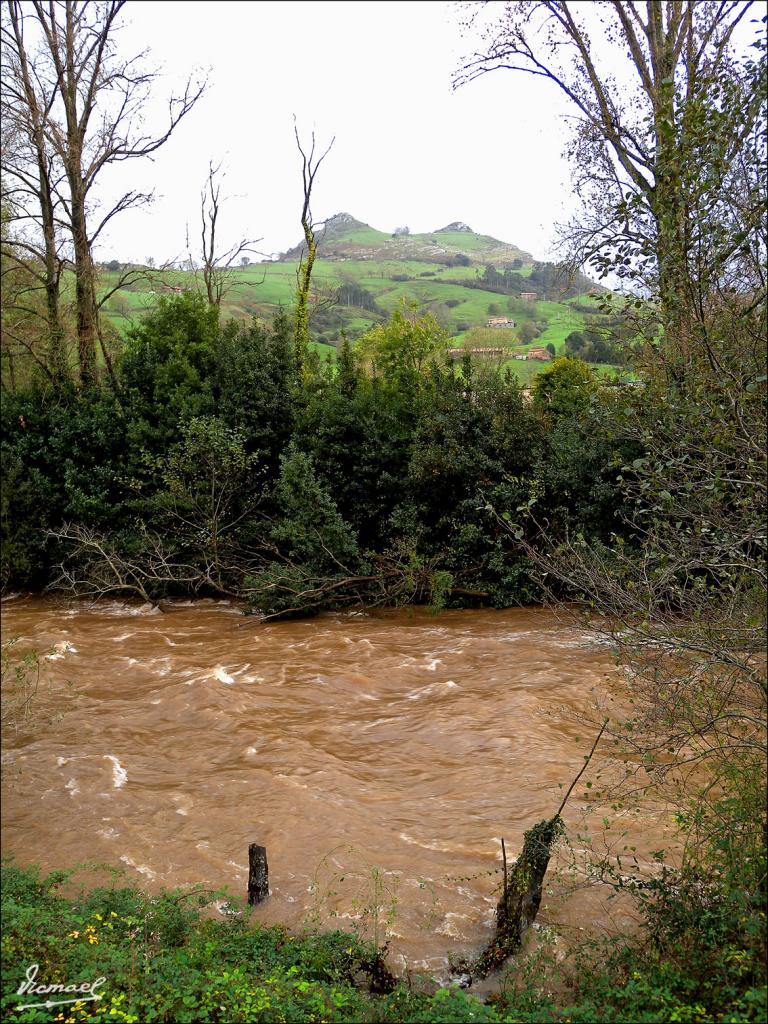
x,y
377,76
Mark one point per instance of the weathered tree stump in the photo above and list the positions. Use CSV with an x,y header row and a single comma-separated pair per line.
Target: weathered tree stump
x,y
523,885
258,874
521,897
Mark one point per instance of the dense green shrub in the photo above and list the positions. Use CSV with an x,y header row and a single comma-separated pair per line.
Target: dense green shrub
x,y
394,467
62,454
253,387
167,369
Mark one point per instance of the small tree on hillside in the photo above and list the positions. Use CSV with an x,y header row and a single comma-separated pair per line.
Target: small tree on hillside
x,y
528,331
575,342
405,344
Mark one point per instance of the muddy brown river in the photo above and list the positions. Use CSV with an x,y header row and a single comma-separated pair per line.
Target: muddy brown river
x,y
379,758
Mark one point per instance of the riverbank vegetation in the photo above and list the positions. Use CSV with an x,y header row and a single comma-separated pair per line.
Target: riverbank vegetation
x,y
213,457
212,467
163,960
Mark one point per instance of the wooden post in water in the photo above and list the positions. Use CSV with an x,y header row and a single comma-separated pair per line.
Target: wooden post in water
x,y
258,874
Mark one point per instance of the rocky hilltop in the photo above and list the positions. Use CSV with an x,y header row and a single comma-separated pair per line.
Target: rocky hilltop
x,y
344,237
456,225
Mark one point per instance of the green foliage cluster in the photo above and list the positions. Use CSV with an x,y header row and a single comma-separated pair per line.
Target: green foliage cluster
x,y
545,278
211,468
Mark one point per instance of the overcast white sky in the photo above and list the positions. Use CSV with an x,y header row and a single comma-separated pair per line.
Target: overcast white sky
x,y
377,76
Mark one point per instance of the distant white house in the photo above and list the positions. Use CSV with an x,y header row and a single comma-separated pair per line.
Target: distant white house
x,y
458,353
528,296
499,321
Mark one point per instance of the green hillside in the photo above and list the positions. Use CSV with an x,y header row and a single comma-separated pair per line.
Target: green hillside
x,y
363,274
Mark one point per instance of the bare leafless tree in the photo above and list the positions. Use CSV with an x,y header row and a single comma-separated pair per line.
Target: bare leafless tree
x,y
669,160
91,102
31,242
309,168
217,264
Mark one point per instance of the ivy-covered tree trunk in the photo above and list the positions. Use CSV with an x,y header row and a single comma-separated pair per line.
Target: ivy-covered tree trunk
x,y
309,169
521,895
301,319
523,885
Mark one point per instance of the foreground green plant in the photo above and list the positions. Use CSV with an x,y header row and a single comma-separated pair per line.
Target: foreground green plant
x,y
162,960
701,959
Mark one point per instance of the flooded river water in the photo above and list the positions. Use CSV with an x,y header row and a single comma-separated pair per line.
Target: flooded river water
x,y
378,758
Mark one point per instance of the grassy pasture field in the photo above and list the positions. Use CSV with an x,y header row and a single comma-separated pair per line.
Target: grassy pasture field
x,y
391,271
260,289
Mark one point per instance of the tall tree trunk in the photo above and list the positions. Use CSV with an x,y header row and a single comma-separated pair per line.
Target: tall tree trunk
x,y
667,203
85,287
92,84
56,353
310,167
